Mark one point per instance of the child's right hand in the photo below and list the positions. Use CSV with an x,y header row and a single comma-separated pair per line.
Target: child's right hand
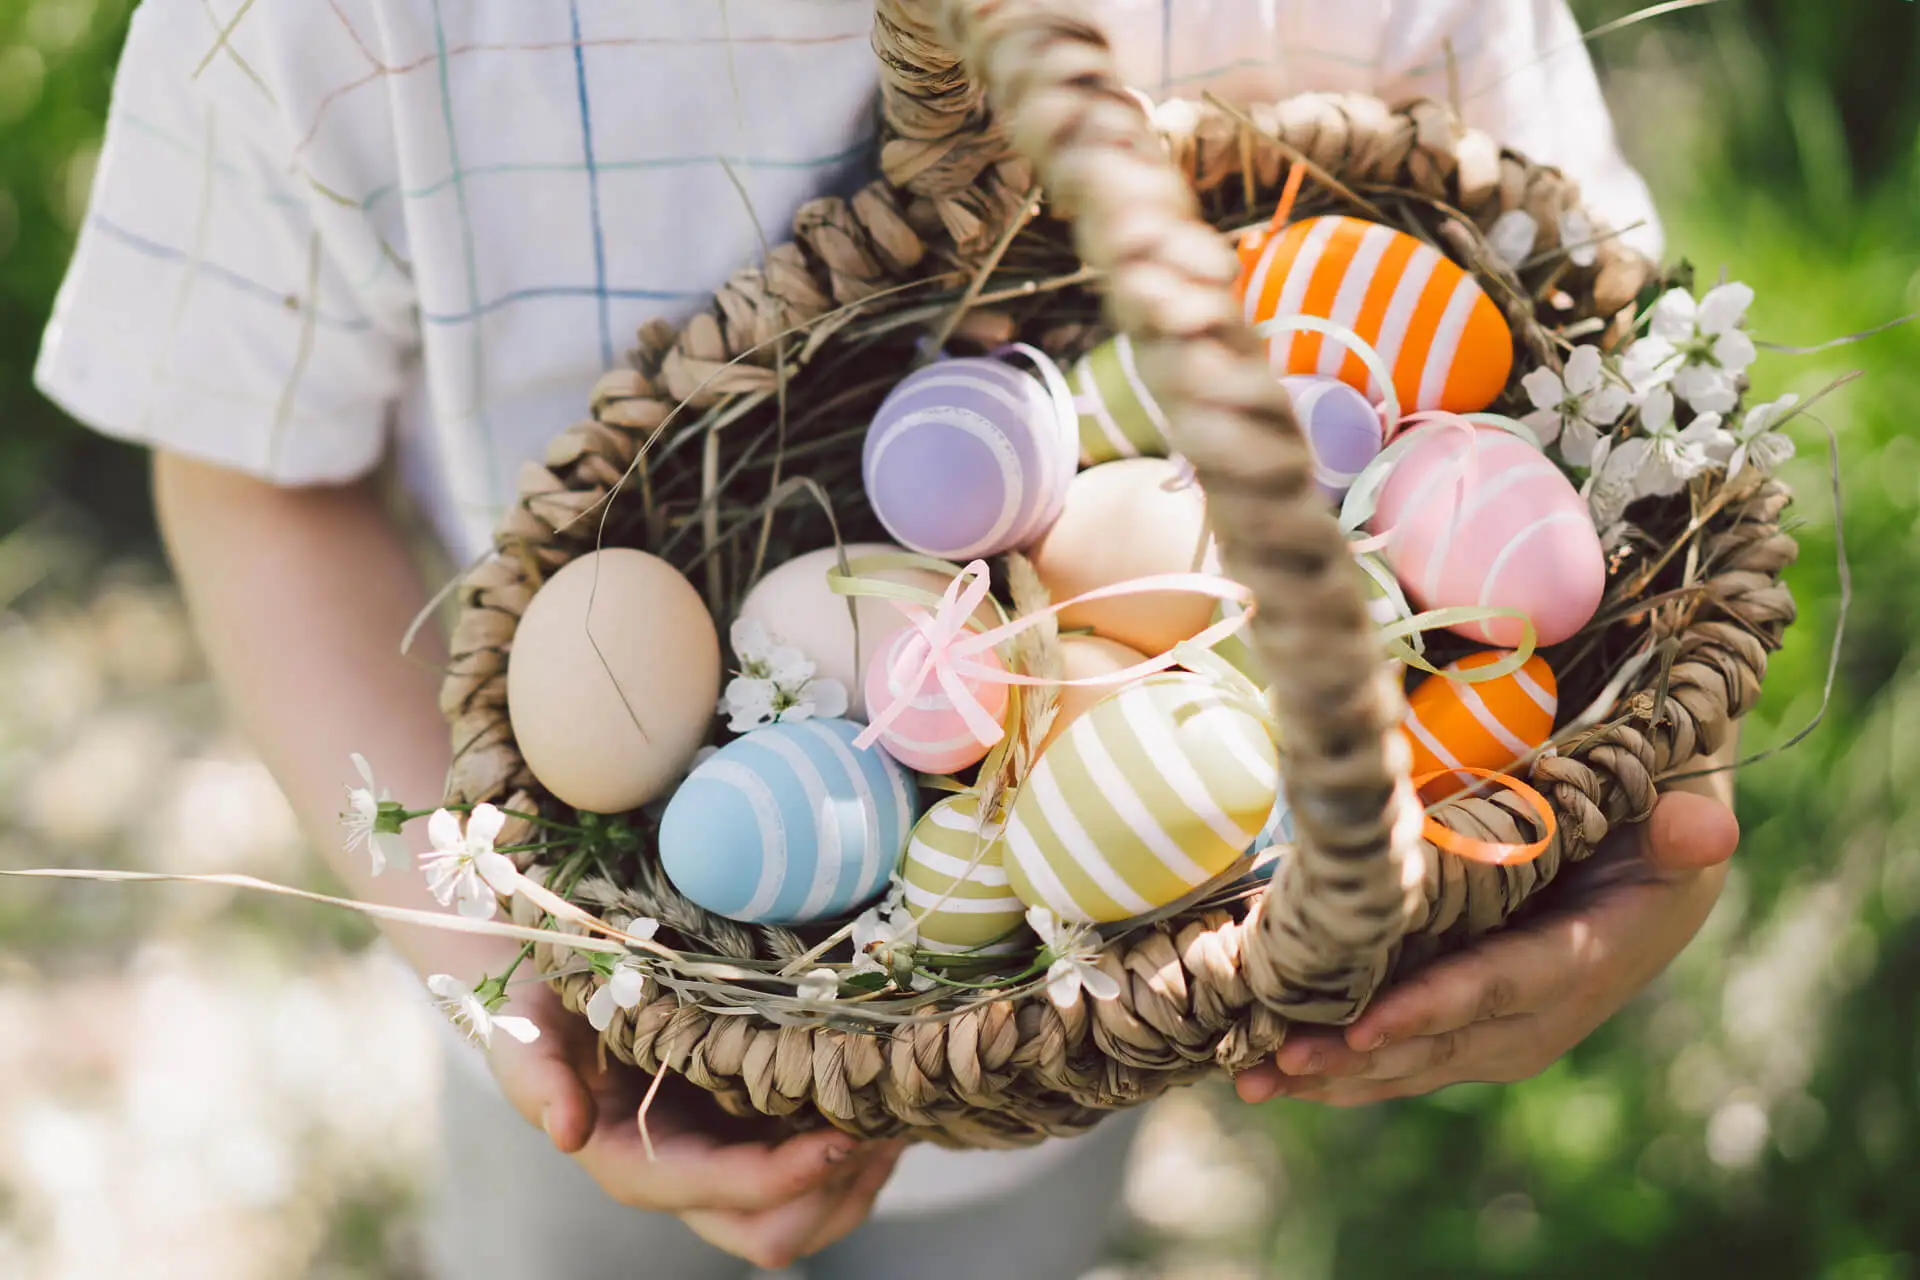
x,y
768,1205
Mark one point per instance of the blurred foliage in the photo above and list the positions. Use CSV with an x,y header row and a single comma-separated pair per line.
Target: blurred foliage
x,y
56,74
1756,1114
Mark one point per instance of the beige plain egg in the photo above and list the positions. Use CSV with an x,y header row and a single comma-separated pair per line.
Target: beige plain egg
x,y
1125,520
798,608
613,680
1084,658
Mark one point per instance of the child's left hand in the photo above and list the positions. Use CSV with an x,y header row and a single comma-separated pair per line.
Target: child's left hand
x,y
1509,1007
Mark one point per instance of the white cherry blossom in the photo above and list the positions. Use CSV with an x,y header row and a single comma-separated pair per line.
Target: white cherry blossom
x,y
1699,348
820,984
1675,456
466,1009
1074,952
622,990
463,870
776,683
1758,441
877,931
1575,407
1577,236
364,820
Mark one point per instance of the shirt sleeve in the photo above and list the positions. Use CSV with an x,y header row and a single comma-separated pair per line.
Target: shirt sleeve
x,y
218,302
1525,78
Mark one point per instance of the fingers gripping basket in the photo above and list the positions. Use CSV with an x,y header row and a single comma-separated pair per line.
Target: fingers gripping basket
x,y
1360,893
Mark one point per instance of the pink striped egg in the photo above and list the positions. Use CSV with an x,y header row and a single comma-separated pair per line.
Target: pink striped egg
x,y
929,734
1482,518
1343,428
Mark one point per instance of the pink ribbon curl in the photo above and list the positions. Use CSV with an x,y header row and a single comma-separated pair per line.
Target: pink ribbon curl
x,y
944,648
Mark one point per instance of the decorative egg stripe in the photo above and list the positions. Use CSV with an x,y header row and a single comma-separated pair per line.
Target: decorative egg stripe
x,y
1455,725
1412,302
753,790
980,428
1119,418
835,852
954,881
1116,771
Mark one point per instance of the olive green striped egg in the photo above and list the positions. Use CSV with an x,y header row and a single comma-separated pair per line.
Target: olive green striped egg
x,y
956,886
1119,417
1154,792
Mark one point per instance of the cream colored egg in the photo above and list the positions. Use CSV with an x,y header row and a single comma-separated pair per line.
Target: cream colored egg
x,y
797,607
612,681
1084,658
1123,520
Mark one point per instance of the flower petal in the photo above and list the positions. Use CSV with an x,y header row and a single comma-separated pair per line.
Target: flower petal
x,y
446,986
1675,316
1097,982
1580,444
1576,235
1649,363
1512,236
1063,984
1544,388
483,827
1735,351
1606,404
820,984
1656,413
520,1029
1724,307
601,1007
829,698
384,848
443,828
1737,462
1043,924
499,873
363,768
750,639
628,984
1583,371
1545,425
476,900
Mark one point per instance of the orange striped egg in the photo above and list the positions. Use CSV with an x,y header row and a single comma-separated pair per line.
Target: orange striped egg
x,y
1451,724
1447,344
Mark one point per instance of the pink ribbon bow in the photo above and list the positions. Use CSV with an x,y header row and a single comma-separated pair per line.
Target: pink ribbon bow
x,y
943,650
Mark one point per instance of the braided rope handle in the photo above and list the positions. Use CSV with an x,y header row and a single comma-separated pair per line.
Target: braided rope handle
x,y
1337,907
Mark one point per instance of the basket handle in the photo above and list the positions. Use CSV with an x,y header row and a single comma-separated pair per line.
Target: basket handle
x,y
1319,943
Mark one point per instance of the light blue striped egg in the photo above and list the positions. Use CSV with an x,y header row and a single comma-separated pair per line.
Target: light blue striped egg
x,y
788,824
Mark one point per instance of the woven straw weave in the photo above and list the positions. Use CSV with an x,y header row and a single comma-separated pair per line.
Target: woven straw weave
x,y
1360,894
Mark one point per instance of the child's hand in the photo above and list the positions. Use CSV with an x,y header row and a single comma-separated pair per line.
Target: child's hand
x,y
769,1205
1509,1007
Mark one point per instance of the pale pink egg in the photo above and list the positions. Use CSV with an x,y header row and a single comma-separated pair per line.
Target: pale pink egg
x,y
1483,518
929,734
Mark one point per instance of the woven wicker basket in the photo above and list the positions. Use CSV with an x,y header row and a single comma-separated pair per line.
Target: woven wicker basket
x,y
1360,896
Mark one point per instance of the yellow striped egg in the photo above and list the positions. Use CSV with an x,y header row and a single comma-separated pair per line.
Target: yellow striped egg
x,y
1158,789
956,887
1446,343
1119,417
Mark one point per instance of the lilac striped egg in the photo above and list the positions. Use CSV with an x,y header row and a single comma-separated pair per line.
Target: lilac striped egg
x,y
1341,425
969,457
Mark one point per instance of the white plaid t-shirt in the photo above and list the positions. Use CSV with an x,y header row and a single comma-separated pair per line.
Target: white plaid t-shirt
x,y
323,229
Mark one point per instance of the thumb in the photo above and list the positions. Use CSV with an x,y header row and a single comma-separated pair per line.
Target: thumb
x,y
1689,832
543,1086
